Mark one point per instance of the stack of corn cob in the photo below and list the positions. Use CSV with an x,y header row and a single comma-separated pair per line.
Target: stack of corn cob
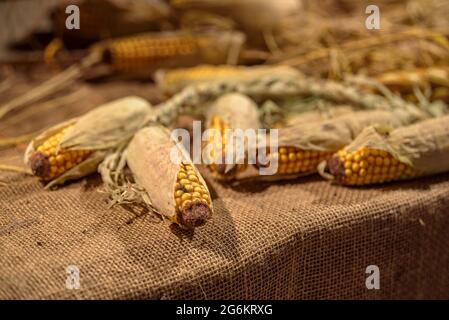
x,y
303,147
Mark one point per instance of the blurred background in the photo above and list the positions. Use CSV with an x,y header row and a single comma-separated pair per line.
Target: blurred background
x,y
125,47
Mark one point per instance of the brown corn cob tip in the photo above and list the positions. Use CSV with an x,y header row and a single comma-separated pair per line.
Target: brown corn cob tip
x,y
219,168
294,160
194,216
368,166
193,205
48,164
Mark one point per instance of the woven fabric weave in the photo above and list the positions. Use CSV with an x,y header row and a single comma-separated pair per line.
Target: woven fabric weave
x,y
297,240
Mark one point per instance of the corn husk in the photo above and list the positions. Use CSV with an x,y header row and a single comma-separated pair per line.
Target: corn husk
x,y
219,47
108,125
173,81
272,87
237,111
103,128
334,134
424,145
149,157
300,119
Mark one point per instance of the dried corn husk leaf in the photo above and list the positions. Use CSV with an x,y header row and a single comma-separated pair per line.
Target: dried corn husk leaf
x,y
149,158
108,125
288,111
220,47
99,130
232,111
334,134
424,146
304,118
81,170
173,81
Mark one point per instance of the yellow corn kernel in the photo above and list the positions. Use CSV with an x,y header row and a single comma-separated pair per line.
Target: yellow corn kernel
x,y
48,164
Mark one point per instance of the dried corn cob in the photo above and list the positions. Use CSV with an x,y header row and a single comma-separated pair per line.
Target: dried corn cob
x,y
174,186
368,166
231,111
150,51
48,162
139,53
404,153
173,81
302,148
74,148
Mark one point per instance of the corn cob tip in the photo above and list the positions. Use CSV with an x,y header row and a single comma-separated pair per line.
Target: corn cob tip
x,y
47,162
193,203
336,168
40,165
194,216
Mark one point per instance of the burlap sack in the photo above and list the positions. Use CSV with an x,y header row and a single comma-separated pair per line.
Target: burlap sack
x,y
301,239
